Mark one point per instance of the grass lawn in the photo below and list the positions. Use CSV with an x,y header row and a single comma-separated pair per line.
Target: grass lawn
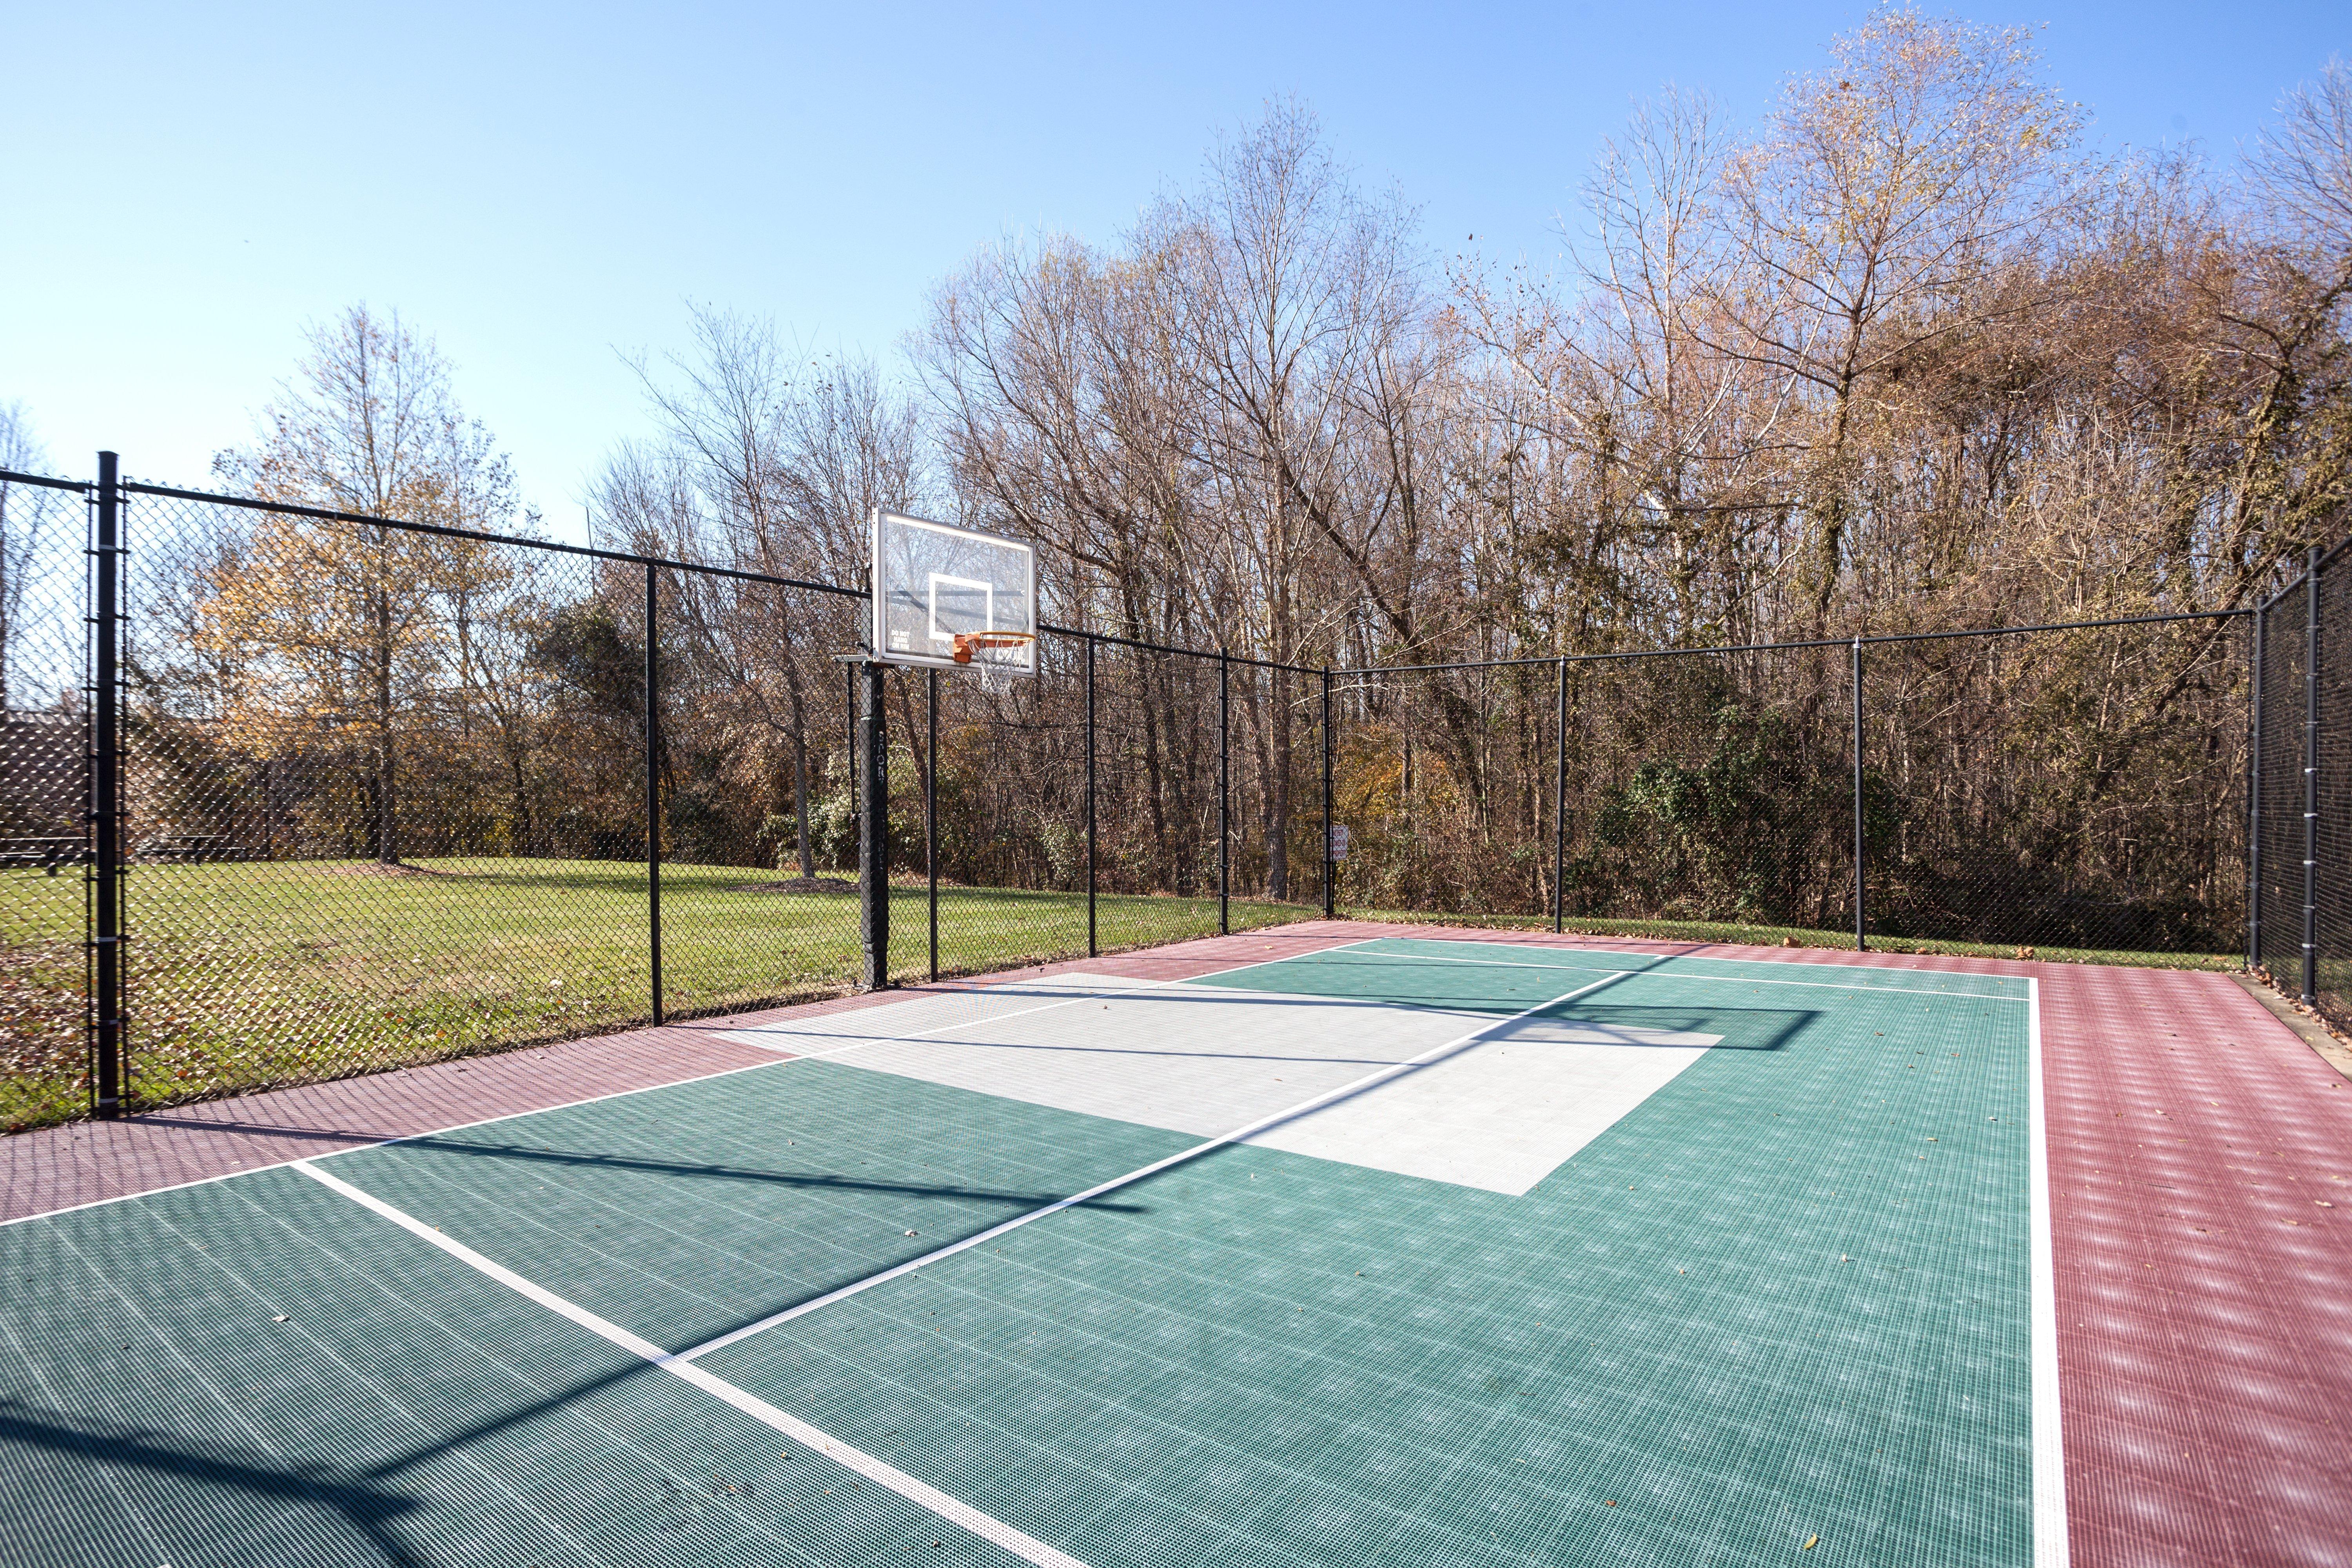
x,y
257,974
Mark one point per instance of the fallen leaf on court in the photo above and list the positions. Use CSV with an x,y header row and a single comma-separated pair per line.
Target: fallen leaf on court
x,y
279,1319
910,1233
1808,1546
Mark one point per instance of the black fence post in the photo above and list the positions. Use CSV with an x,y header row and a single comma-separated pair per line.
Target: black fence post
x,y
2255,793
1330,862
1860,940
1559,807
1091,947
874,824
1224,792
849,714
931,809
652,784
106,794
2311,779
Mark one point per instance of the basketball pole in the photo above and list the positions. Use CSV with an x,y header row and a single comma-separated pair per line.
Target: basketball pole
x,y
932,810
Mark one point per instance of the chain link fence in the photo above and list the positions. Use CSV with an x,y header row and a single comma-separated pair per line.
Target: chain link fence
x,y
2080,789
2077,788
389,795
2301,781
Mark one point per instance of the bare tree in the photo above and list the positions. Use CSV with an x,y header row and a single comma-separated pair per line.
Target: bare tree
x,y
1871,222
770,461
342,619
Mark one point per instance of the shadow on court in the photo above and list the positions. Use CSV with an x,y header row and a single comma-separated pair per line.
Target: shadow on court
x,y
368,1506
1741,1028
816,1181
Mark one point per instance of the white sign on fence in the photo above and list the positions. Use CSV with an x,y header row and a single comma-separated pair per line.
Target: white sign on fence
x,y
1338,841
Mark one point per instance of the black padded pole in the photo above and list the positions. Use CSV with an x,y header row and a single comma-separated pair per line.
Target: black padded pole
x,y
931,811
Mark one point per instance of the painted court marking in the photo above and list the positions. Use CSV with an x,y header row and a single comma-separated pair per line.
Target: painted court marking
x,y
1678,974
680,1364
1019,1542
1133,988
1141,984
1503,1114
1239,1134
2050,1544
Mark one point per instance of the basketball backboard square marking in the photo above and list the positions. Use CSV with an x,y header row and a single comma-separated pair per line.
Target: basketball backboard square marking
x,y
963,594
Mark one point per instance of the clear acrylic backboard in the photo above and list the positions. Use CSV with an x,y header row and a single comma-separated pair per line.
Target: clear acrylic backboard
x,y
942,592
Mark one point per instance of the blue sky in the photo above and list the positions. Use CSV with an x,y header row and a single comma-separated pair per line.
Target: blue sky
x,y
543,187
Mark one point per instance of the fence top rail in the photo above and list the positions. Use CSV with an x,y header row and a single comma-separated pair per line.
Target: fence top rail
x,y
11,477
1213,654
630,558
2304,577
1556,658
523,542
329,514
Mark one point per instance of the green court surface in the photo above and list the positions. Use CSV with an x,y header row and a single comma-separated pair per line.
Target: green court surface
x,y
1721,1257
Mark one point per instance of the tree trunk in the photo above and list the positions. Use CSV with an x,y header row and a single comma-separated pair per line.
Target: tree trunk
x,y
800,803
801,845
523,828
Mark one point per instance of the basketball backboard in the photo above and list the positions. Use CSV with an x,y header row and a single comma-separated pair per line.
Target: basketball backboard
x,y
942,592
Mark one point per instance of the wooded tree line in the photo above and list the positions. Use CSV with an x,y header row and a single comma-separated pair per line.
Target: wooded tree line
x,y
1909,355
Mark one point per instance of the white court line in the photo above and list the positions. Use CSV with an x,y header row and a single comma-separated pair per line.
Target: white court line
x,y
1827,985
2049,1545
597,1098
1235,1136
1138,988
1020,1544
1681,975
757,1066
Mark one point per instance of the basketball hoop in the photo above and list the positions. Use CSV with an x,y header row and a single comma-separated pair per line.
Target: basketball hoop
x,y
965,642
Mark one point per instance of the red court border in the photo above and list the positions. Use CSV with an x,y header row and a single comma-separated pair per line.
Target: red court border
x,y
2200,1176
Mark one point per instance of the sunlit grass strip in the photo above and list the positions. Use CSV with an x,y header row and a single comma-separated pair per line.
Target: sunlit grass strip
x,y
257,975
